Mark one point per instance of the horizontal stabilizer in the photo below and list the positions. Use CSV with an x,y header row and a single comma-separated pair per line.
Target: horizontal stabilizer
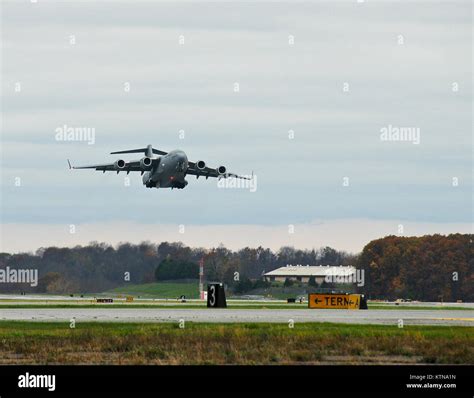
x,y
141,150
146,151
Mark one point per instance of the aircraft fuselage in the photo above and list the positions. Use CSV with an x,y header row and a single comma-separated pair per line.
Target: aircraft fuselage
x,y
169,172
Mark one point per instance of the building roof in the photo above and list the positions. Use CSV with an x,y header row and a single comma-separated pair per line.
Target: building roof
x,y
312,270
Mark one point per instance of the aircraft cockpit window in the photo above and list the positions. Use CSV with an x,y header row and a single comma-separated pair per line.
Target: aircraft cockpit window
x,y
180,166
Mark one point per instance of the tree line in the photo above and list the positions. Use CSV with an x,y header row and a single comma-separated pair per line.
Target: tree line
x,y
432,267
428,268
98,266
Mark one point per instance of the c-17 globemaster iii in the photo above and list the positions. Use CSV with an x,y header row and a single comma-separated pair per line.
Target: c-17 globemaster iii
x,y
167,170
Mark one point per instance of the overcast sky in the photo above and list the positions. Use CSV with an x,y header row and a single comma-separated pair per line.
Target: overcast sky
x,y
336,74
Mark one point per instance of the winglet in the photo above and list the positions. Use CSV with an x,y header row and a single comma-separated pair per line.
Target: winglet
x,y
69,163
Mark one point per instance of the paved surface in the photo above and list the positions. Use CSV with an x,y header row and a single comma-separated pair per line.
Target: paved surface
x,y
387,317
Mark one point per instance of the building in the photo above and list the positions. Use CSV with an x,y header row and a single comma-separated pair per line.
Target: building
x,y
302,273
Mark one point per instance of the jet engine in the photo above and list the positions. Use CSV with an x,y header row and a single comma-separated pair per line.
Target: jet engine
x,y
221,170
201,164
119,164
145,163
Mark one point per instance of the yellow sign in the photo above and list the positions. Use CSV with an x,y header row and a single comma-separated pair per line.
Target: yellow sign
x,y
337,301
129,298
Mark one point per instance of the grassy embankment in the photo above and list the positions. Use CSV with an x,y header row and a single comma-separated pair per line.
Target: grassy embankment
x,y
166,343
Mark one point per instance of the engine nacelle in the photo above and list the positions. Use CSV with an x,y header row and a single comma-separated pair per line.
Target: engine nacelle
x,y
145,163
221,170
201,164
119,164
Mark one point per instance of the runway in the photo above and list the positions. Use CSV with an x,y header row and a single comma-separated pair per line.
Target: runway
x,y
379,316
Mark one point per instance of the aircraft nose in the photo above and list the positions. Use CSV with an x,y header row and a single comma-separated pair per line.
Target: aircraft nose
x,y
182,162
183,159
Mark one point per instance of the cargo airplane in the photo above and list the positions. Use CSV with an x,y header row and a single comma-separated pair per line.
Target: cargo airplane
x,y
161,169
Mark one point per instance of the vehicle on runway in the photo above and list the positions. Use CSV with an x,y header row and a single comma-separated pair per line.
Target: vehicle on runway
x,y
162,169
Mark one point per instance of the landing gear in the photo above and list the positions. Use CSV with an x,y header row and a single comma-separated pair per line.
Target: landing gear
x,y
179,185
174,184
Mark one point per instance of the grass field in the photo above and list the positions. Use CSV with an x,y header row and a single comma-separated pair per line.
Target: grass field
x,y
190,289
160,289
173,289
309,343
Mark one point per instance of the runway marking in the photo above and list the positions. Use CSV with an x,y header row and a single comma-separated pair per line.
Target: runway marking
x,y
455,319
389,317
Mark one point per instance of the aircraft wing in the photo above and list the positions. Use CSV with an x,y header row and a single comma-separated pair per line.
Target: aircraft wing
x,y
128,167
208,172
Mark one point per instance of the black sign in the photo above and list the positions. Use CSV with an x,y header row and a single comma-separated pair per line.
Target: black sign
x,y
216,296
105,300
363,303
